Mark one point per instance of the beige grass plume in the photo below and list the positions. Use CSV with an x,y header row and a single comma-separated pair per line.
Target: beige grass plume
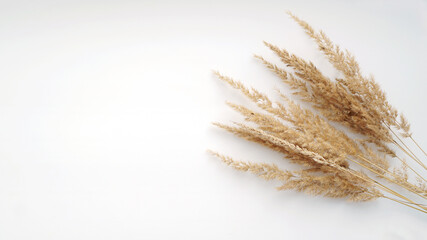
x,y
355,101
332,161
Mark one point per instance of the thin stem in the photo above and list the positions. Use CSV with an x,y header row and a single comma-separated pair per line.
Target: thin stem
x,y
397,136
413,155
410,136
404,163
398,195
416,160
382,175
379,185
387,171
417,145
398,201
401,160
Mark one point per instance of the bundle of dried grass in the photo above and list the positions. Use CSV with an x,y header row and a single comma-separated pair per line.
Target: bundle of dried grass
x,y
332,161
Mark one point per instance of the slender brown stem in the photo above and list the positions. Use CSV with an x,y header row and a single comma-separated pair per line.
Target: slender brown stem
x,y
379,185
410,136
418,145
398,201
401,141
413,156
404,163
387,171
416,160
382,175
398,195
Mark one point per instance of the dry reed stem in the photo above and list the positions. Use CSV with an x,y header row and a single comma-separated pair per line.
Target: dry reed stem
x,y
418,145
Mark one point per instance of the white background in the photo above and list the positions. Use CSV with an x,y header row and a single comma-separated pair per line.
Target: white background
x,y
106,109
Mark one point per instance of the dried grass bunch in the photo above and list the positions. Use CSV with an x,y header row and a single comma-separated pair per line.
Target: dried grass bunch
x,y
333,163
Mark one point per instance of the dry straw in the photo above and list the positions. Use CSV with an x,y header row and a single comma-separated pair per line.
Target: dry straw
x,y
333,163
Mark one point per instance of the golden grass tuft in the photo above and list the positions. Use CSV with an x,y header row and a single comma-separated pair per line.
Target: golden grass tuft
x,y
334,164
